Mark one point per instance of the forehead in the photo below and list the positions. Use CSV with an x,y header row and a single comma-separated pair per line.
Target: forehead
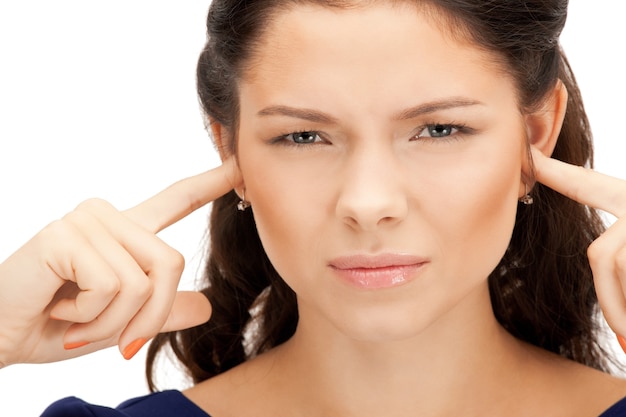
x,y
389,47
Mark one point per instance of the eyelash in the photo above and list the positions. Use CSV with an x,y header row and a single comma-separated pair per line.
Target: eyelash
x,y
282,139
459,129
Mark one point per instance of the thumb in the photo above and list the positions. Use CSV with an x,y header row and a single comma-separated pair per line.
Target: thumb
x,y
190,309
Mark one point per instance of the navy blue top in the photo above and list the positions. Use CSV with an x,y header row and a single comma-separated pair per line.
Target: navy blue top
x,y
160,404
173,404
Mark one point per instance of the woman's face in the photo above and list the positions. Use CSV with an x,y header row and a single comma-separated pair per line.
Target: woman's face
x,y
383,162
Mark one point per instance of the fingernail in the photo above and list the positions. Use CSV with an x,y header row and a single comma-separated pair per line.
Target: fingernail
x,y
622,342
132,349
74,345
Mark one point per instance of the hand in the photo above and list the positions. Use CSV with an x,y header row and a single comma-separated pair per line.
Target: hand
x,y
607,254
100,277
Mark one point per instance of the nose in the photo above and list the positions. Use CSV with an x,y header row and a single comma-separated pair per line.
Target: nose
x,y
372,192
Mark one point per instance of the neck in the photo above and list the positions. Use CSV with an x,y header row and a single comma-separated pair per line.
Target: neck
x,y
463,357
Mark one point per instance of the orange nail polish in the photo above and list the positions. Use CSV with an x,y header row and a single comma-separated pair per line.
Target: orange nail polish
x,y
622,342
132,349
75,345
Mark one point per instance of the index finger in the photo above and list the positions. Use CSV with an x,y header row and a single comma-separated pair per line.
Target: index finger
x,y
185,196
581,184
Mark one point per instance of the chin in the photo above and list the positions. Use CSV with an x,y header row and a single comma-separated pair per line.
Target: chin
x,y
380,325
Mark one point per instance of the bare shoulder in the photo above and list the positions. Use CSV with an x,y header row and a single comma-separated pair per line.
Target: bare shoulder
x,y
597,390
599,387
239,391
579,389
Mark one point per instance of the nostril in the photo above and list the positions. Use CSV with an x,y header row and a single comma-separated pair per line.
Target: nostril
x,y
350,221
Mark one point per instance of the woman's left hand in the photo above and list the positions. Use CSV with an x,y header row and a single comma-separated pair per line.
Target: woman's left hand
x,y
607,254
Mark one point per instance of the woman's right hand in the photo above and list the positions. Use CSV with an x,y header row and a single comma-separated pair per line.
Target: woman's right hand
x,y
99,277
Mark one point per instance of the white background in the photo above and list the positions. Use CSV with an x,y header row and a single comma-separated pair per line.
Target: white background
x,y
98,99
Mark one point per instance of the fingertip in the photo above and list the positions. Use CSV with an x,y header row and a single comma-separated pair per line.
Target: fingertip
x,y
133,347
190,309
538,163
536,153
233,175
55,317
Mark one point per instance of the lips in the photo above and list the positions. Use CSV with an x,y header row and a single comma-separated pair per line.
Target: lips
x,y
377,271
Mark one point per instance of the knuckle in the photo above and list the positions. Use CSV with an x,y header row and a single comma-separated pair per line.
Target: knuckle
x,y
171,261
177,261
58,238
95,208
93,205
596,252
140,289
108,288
57,230
81,219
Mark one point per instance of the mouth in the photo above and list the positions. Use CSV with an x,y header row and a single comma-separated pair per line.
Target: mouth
x,y
378,271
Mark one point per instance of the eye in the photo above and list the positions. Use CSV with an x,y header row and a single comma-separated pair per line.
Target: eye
x,y
300,139
438,130
304,137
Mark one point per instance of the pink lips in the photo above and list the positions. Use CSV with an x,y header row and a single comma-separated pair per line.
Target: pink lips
x,y
377,271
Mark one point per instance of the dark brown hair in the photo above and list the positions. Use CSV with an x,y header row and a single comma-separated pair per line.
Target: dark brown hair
x,y
542,290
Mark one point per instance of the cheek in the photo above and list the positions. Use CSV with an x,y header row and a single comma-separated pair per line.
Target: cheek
x,y
475,214
289,210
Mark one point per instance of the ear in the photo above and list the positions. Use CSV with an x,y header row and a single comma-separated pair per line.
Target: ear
x,y
221,137
544,125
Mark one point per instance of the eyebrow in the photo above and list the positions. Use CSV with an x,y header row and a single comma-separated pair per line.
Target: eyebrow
x,y
435,106
304,114
410,113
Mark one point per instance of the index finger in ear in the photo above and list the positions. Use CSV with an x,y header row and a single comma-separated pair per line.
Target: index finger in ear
x,y
581,184
185,196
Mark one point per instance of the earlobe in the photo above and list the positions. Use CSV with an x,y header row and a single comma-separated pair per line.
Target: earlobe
x,y
544,125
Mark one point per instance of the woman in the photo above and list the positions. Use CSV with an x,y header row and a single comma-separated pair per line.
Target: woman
x,y
410,262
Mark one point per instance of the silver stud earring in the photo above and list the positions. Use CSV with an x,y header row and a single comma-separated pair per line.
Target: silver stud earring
x,y
242,205
527,199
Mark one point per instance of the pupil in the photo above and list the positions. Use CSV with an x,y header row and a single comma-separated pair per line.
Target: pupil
x,y
304,137
438,131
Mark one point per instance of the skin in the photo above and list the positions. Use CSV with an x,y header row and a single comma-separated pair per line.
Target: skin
x,y
99,277
373,182
428,347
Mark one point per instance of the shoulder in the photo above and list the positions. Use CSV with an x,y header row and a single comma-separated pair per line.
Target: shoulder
x,y
590,392
250,388
561,387
617,410
162,404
